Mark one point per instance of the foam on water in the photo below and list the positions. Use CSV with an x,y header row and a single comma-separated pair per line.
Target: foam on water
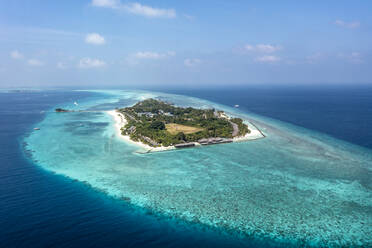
x,y
295,186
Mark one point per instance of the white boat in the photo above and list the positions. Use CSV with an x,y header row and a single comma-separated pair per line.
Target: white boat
x,y
36,128
236,106
76,103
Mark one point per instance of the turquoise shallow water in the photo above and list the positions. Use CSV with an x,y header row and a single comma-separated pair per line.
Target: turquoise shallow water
x,y
295,186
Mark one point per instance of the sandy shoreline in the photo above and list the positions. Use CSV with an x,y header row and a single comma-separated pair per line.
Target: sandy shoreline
x,y
120,121
253,135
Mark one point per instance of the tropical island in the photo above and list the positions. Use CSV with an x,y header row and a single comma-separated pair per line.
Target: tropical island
x,y
160,125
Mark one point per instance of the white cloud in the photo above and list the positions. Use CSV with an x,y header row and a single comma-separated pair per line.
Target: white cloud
x,y
35,62
135,58
267,48
136,8
263,48
267,59
61,65
249,48
16,55
191,62
153,55
95,39
106,3
354,24
91,63
189,17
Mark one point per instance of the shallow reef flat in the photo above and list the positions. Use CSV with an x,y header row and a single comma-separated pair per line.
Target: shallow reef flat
x,y
295,186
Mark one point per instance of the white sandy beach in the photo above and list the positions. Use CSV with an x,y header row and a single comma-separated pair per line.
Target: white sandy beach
x,y
121,121
253,135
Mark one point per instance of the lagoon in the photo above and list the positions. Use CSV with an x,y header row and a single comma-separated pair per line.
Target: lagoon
x,y
294,187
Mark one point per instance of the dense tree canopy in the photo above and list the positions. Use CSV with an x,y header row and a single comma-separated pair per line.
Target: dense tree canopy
x,y
157,125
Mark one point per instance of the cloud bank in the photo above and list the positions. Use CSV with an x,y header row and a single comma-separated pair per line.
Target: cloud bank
x,y
263,48
153,55
354,24
35,62
268,59
136,8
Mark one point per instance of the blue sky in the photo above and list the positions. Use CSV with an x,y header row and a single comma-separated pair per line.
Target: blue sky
x,y
184,43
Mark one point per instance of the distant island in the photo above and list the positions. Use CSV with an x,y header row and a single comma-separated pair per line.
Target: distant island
x,y
158,125
61,110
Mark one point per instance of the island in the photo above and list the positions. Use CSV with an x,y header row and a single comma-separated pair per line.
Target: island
x,y
158,125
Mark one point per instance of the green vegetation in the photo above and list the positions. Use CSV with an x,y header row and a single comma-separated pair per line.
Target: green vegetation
x,y
158,123
243,128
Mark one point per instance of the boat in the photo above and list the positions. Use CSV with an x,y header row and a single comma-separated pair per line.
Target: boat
x,y
236,106
76,103
36,128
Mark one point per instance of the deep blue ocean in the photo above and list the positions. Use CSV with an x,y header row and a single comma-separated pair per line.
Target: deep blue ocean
x,y
40,209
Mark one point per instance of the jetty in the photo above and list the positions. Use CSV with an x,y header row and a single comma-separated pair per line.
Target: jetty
x,y
214,141
205,142
185,145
